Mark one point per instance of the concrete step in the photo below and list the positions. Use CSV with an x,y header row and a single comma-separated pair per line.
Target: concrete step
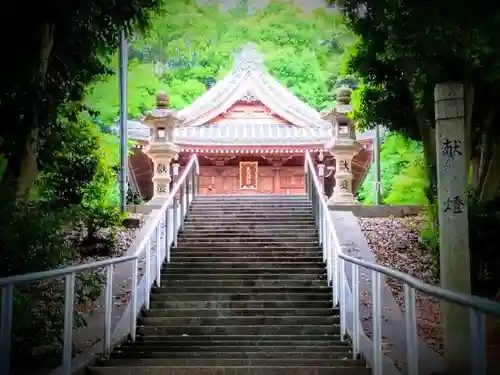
x,y
254,255
232,346
293,202
248,246
208,286
261,221
258,274
232,362
192,259
245,227
239,283
254,206
213,312
231,320
270,295
249,208
285,329
251,218
256,241
184,245
242,251
250,268
264,352
253,198
196,304
207,279
301,290
267,232
223,212
232,370
240,236
272,211
286,340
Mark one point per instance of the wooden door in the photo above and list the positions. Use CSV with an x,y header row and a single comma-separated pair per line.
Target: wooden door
x,y
291,180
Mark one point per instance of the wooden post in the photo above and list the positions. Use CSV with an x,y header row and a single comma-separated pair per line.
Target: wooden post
x,y
453,222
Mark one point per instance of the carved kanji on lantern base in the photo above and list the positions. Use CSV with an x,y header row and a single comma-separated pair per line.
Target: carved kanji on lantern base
x,y
161,149
343,147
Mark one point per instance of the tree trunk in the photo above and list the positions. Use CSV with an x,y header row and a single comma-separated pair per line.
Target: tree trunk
x,y
491,182
29,163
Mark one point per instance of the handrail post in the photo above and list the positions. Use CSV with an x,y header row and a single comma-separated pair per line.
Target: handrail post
x,y
376,323
147,275
159,254
168,239
193,183
355,310
175,224
108,311
6,328
182,197
478,343
342,300
133,300
69,305
411,330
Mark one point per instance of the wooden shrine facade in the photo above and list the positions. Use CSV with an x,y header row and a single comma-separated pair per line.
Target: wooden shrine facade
x,y
250,134
273,171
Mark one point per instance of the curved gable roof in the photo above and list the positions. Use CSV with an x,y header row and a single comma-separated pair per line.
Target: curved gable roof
x,y
249,77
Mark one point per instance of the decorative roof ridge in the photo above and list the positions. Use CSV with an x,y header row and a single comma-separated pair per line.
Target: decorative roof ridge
x,y
249,65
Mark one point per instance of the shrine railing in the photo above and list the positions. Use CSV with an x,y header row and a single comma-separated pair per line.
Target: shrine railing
x,y
152,247
346,295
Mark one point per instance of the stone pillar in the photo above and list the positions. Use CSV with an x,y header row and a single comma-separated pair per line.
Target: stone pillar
x,y
161,149
321,174
321,169
454,255
175,171
343,147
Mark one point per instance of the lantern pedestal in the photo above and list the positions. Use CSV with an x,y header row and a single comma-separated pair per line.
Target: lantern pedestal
x,y
161,149
344,151
161,156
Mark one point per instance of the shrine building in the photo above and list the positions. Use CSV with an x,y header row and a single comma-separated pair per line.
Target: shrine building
x,y
250,134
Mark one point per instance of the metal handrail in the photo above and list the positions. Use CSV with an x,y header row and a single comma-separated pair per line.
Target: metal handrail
x,y
335,258
167,219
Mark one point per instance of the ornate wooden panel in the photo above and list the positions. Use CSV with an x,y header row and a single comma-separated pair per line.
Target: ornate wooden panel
x,y
291,180
249,175
269,180
266,180
230,180
208,180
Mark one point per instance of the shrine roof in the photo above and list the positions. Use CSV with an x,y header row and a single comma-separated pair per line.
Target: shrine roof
x,y
249,80
249,134
238,134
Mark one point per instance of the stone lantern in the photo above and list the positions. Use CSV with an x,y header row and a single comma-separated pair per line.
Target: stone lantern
x,y
161,148
343,147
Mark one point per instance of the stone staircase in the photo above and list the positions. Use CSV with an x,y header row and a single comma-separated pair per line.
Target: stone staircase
x,y
245,293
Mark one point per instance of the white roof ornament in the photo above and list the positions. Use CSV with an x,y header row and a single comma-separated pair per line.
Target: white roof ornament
x,y
249,58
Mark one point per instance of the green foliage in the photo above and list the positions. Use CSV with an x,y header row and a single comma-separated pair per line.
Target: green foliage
x,y
38,308
429,236
56,167
403,173
403,51
100,203
64,47
191,46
